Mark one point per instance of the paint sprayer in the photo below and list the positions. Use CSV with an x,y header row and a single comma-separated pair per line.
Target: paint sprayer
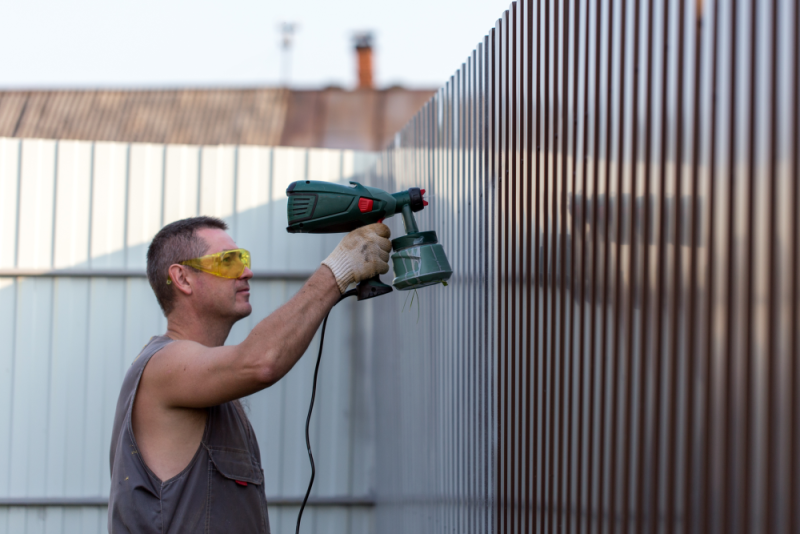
x,y
325,208
419,260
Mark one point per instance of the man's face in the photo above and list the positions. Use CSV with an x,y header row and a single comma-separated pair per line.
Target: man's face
x,y
222,297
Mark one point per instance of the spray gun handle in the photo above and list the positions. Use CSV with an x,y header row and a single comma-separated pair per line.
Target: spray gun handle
x,y
372,287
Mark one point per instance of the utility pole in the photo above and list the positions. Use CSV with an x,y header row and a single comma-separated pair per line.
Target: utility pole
x,y
287,30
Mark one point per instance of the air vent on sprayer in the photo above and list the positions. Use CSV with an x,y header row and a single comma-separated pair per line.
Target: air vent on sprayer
x,y
301,207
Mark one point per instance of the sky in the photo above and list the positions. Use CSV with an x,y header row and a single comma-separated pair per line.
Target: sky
x,y
235,43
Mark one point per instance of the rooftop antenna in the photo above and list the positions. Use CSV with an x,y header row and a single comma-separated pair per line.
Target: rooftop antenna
x,y
287,35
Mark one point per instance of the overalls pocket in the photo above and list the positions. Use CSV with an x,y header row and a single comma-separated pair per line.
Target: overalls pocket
x,y
236,501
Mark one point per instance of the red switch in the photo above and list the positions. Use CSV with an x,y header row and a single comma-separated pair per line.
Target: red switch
x,y
365,205
241,482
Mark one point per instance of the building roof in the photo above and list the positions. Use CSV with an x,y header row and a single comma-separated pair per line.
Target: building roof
x,y
330,118
183,116
364,119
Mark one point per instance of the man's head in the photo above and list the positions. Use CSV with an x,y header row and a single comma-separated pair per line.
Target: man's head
x,y
178,286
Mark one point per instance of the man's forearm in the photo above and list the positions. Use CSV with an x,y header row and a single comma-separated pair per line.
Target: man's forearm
x,y
280,340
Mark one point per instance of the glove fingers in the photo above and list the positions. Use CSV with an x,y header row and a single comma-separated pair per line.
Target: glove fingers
x,y
384,243
374,253
380,229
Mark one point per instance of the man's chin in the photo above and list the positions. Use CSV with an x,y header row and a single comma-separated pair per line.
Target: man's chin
x,y
243,310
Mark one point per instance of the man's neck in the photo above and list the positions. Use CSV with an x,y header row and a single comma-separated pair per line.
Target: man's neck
x,y
211,333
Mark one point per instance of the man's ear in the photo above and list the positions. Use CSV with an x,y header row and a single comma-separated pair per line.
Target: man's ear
x,y
177,275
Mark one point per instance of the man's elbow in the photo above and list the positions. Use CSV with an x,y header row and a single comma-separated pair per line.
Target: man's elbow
x,y
259,366
268,371
266,376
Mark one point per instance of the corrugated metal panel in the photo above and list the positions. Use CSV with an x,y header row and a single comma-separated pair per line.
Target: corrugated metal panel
x,y
616,186
40,519
68,340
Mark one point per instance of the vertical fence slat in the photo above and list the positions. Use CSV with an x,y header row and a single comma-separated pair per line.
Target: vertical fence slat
x,y
71,247
794,346
583,410
527,496
35,215
10,156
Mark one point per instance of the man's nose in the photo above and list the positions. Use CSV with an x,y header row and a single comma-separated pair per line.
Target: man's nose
x,y
247,274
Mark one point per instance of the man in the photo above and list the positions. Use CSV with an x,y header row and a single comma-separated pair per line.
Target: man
x,y
184,457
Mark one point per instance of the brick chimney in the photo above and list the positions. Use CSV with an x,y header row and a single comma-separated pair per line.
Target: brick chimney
x,y
364,57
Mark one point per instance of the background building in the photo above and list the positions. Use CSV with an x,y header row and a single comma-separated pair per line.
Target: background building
x,y
364,119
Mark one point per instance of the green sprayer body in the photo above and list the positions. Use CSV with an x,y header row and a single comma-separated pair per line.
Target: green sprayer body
x,y
324,208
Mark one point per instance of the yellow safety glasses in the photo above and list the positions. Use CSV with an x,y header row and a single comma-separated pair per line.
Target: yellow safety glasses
x,y
226,264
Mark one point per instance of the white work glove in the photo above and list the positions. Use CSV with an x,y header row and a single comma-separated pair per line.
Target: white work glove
x,y
362,254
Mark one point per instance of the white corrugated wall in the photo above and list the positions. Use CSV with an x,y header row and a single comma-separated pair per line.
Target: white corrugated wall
x,y
75,309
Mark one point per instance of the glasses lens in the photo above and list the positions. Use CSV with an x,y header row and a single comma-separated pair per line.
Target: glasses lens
x,y
230,264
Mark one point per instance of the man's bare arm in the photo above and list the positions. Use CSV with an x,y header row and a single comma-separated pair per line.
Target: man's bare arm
x,y
188,374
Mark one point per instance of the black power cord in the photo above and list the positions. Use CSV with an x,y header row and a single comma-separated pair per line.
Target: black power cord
x,y
350,293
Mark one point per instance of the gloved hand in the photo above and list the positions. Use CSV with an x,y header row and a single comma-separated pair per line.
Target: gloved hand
x,y
362,254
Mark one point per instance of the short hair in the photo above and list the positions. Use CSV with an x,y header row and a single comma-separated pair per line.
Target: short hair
x,y
176,242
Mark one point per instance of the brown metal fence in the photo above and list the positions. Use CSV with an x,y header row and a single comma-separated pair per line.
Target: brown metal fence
x,y
616,185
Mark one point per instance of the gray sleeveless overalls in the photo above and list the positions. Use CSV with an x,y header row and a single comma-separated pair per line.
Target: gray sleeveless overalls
x,y
220,491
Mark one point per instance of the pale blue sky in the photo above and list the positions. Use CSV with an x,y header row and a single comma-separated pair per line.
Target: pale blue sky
x,y
176,43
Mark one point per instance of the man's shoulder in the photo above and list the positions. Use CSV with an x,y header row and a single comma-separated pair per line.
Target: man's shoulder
x,y
153,346
164,356
166,347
